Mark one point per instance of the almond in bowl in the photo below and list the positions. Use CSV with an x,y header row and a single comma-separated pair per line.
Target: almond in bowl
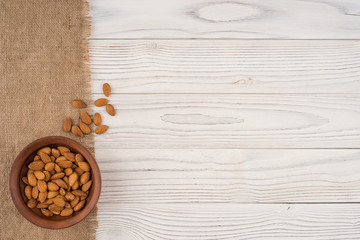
x,y
55,182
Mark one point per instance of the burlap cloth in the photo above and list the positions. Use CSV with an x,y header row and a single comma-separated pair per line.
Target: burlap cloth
x,y
43,66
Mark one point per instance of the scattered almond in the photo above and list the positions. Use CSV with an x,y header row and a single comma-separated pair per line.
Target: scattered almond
x,y
97,119
101,102
78,103
101,129
76,131
106,89
85,118
84,128
110,109
67,124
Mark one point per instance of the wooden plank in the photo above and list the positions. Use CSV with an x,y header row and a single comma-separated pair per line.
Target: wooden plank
x,y
232,121
208,66
229,176
280,19
228,221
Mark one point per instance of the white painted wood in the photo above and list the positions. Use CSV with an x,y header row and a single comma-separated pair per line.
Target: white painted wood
x,y
228,221
229,176
311,19
232,121
226,66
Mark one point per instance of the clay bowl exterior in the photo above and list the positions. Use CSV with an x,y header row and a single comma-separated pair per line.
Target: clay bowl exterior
x,y
19,170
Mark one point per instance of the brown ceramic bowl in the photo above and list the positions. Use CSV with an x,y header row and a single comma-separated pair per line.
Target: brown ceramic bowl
x,y
19,170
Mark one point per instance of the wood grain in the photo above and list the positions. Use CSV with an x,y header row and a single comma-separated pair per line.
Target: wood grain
x,y
228,221
232,121
229,176
280,19
208,66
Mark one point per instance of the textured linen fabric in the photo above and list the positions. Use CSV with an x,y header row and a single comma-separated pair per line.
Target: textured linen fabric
x,y
43,66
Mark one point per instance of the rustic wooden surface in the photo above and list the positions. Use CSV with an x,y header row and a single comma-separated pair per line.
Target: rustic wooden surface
x,y
235,119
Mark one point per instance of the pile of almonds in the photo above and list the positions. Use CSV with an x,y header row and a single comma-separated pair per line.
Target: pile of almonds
x,y
83,127
57,182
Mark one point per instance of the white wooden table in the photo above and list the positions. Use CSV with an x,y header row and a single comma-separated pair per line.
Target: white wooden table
x,y
236,119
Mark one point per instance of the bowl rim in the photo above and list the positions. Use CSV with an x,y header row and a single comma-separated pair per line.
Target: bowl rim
x,y
14,183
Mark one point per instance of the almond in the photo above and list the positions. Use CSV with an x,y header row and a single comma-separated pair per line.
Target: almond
x,y
69,156
110,109
45,150
28,191
49,201
49,166
44,157
84,178
84,166
79,206
63,150
101,102
79,158
66,212
60,159
52,186
78,103
76,131
39,175
52,194
25,180
84,128
31,203
79,193
55,152
52,158
57,175
57,168
69,196
75,201
61,183
67,124
42,186
101,129
106,89
42,196
36,165
47,176
35,192
79,171
46,212
55,208
68,171
85,118
59,202
42,205
67,205
62,191
65,164
31,179
36,158
97,119
86,186
75,186
73,178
